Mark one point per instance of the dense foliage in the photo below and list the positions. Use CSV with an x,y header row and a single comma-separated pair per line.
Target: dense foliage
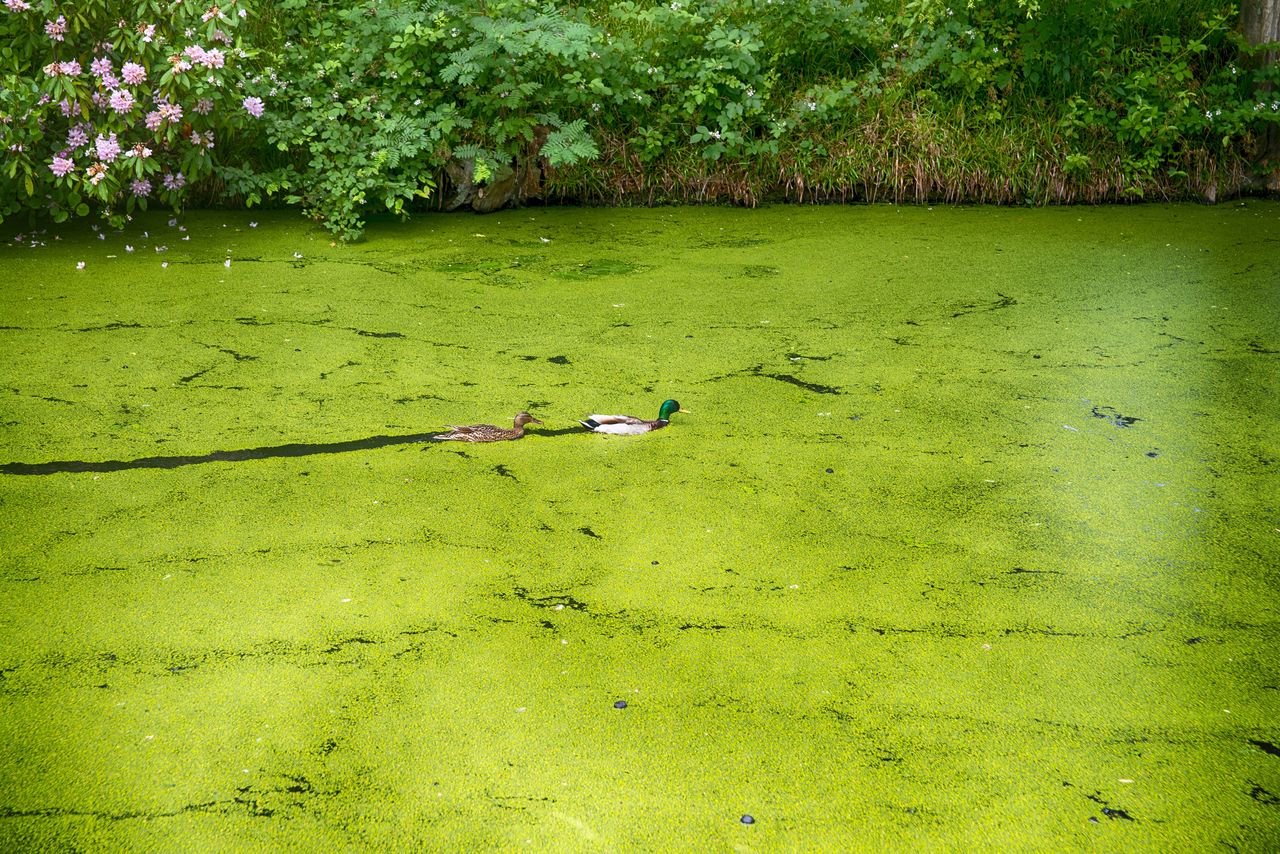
x,y
115,103
348,108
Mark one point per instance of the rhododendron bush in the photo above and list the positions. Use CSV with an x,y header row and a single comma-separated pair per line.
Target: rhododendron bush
x,y
114,105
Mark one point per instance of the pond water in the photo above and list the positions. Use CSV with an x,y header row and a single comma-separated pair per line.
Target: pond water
x,y
968,540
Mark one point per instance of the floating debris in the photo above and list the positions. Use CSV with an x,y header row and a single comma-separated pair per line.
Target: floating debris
x,y
1108,413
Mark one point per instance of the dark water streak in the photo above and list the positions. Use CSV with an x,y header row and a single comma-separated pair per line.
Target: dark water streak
x,y
293,449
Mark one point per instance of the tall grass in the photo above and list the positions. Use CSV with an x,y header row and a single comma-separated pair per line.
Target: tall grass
x,y
904,151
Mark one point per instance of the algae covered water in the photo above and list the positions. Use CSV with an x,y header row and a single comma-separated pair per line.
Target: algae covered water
x,y
968,539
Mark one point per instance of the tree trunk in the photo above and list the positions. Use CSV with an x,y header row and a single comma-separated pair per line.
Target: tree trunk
x,y
1260,23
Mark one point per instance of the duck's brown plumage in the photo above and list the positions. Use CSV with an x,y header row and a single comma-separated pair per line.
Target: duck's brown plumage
x,y
487,432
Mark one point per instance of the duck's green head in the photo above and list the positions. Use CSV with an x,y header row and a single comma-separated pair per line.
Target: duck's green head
x,y
668,407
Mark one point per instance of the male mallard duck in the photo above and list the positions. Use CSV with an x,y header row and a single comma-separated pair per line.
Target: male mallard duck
x,y
629,425
487,432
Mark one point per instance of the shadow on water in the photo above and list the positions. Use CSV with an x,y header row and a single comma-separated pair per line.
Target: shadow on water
x,y
294,449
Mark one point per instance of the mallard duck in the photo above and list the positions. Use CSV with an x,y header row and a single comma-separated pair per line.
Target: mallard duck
x,y
487,432
629,425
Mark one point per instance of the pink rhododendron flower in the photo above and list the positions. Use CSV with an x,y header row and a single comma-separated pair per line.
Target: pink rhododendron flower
x,y
109,81
56,30
95,173
100,66
76,137
140,188
122,101
195,53
213,58
253,106
17,5
153,121
139,150
57,69
108,149
61,165
204,106
133,73
176,181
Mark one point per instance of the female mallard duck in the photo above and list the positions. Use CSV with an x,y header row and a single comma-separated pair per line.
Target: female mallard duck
x,y
628,425
487,432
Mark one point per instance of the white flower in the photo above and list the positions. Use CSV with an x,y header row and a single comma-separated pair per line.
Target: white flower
x,y
79,265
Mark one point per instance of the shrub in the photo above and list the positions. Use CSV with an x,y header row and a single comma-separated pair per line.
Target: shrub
x,y
373,100
118,104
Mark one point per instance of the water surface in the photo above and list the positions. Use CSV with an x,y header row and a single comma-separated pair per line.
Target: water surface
x,y
969,540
